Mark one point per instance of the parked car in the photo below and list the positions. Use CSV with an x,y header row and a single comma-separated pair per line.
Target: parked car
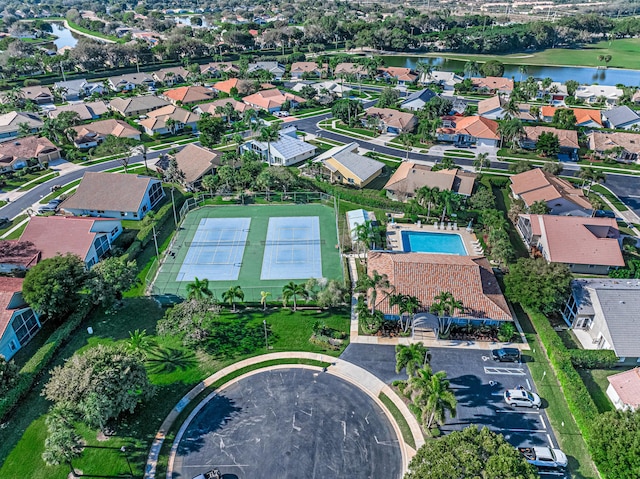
x,y
604,214
545,457
212,474
4,220
55,202
47,209
522,397
506,355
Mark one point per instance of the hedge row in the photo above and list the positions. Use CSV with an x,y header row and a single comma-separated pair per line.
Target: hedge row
x,y
41,359
580,403
593,358
359,197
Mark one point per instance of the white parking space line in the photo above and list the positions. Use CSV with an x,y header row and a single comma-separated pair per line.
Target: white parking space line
x,y
519,411
506,371
550,442
528,384
543,423
525,430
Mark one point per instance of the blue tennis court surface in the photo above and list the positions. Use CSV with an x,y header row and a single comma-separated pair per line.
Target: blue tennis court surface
x,y
292,248
216,250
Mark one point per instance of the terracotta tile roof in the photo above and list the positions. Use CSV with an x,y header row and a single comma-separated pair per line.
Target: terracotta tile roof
x,y
583,115
117,128
350,69
493,83
469,279
109,191
475,126
210,107
400,73
157,119
391,117
25,148
538,185
194,161
8,287
604,141
567,138
273,98
54,235
578,240
19,253
189,94
227,85
410,177
307,67
627,386
490,104
85,111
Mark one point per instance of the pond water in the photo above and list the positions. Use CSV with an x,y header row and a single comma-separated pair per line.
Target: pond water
x,y
66,38
612,76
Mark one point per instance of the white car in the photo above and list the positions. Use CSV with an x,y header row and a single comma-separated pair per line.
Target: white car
x,y
545,457
522,397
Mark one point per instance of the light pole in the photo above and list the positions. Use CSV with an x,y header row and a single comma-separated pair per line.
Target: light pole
x,y
123,449
266,341
155,240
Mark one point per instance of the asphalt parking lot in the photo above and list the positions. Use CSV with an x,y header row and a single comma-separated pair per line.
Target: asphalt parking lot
x,y
290,423
478,383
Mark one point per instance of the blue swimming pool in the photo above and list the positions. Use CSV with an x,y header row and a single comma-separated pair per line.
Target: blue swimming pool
x,y
424,242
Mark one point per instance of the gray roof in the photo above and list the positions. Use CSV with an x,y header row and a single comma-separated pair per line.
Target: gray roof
x,y
620,115
137,103
361,166
289,147
425,95
71,85
619,301
269,66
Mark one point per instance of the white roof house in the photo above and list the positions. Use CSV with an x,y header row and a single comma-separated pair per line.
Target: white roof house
x,y
591,93
286,151
447,80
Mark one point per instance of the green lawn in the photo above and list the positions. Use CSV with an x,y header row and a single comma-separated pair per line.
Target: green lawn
x,y
19,181
596,382
12,223
173,369
358,131
610,196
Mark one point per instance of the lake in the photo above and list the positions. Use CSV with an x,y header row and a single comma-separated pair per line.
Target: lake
x,y
612,76
66,38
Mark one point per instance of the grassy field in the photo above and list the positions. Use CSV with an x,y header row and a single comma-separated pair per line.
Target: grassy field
x,y
173,369
624,54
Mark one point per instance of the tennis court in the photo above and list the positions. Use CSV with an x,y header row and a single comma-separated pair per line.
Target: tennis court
x,y
258,247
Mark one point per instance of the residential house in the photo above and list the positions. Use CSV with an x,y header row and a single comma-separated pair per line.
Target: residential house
x,y
169,119
344,164
37,94
623,147
636,97
286,151
217,69
409,177
17,256
307,69
226,86
417,100
469,130
195,162
152,38
568,139
85,111
560,196
10,124
599,93
459,106
446,80
137,105
328,88
27,151
92,134
584,117
73,90
557,93
18,322
469,279
272,100
494,108
171,76
90,239
404,76
113,195
350,69
188,95
621,118
587,245
391,121
492,85
356,218
212,106
131,81
624,389
275,68
603,315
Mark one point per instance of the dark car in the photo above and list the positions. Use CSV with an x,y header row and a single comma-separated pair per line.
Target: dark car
x,y
604,214
505,355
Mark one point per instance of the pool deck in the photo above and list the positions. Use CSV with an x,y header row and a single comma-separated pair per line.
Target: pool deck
x,y
394,236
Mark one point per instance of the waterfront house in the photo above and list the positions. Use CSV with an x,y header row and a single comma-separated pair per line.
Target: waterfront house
x,y
469,130
446,80
492,85
403,76
568,140
350,69
607,94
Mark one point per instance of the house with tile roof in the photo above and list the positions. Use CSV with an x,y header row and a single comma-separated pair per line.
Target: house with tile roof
x,y
350,69
286,151
469,130
560,196
17,256
90,239
469,279
171,76
391,121
10,124
409,177
131,81
492,85
584,116
137,105
417,100
217,69
37,94
92,134
621,118
211,107
556,91
18,322
195,162
622,147
343,164
275,68
114,195
624,389
586,245
603,315
73,90
300,69
158,122
85,111
595,93
568,140
27,151
446,80
226,86
188,95
404,76
272,100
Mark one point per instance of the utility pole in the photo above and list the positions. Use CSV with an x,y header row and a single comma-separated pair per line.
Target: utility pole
x,y
64,78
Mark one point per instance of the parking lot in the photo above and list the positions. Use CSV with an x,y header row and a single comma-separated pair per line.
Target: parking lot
x,y
478,383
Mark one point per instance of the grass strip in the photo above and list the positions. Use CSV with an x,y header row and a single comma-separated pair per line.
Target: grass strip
x,y
405,430
59,192
615,201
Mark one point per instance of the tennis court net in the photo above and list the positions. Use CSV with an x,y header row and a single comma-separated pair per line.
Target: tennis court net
x,y
205,244
291,242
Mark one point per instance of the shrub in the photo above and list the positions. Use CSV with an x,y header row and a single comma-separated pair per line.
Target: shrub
x,y
593,358
506,332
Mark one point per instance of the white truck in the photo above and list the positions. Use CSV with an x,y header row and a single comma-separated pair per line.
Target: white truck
x,y
545,457
212,474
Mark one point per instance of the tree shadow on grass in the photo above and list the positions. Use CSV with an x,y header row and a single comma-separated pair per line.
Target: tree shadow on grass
x,y
167,360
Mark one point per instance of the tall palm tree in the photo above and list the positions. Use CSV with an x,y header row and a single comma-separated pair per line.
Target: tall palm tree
x,y
267,135
263,299
440,399
429,197
411,305
412,357
471,69
449,201
407,142
371,285
293,290
481,161
199,289
238,139
417,388
510,130
524,70
233,293
511,108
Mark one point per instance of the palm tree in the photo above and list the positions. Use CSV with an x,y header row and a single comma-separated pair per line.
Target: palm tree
x,y
509,130
427,195
424,68
412,357
293,290
511,108
471,69
199,289
417,387
442,307
170,123
592,176
411,305
267,135
524,70
139,340
440,399
407,142
238,140
233,293
210,182
371,285
263,299
449,200
481,161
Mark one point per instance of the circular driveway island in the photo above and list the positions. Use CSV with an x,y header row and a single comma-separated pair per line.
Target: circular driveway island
x,y
293,423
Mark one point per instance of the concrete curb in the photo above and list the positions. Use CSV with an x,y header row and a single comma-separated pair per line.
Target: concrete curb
x,y
361,378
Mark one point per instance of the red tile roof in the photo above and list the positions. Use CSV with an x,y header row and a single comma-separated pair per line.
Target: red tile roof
x,y
583,115
8,287
189,94
469,279
627,385
538,185
475,126
19,253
